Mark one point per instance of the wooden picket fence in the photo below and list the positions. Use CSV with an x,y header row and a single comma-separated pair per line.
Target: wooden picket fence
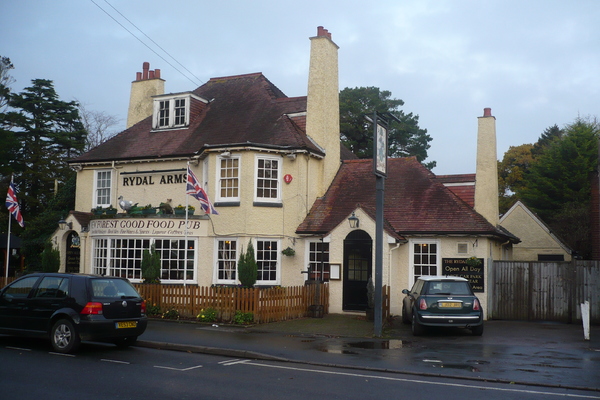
x,y
266,305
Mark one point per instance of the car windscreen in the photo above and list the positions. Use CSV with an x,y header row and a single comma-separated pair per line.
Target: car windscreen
x,y
110,288
448,288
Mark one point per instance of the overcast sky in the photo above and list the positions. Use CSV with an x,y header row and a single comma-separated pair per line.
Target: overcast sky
x,y
535,63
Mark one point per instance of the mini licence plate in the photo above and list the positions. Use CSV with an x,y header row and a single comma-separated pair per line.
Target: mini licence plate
x,y
447,304
126,324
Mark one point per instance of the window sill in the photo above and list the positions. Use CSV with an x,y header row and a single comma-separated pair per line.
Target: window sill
x,y
227,204
265,204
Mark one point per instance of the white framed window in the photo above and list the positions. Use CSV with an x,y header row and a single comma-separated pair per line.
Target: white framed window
x,y
268,179
123,257
228,179
171,112
102,187
268,261
227,256
424,258
318,260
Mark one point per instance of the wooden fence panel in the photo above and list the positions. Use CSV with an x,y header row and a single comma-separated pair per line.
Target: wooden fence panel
x,y
544,291
266,305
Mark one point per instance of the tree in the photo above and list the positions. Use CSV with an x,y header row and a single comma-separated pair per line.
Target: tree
x,y
405,138
8,142
151,265
49,132
50,258
558,184
247,267
98,125
511,171
546,139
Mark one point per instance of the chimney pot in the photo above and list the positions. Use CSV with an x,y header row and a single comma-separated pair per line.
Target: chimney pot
x,y
157,73
145,68
487,112
150,74
138,76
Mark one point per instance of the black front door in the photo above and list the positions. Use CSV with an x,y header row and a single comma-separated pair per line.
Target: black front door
x,y
357,270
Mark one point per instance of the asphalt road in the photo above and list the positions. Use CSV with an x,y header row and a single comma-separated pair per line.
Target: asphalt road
x,y
30,371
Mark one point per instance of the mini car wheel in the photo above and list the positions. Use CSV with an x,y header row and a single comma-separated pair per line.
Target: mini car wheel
x,y
125,341
405,319
64,337
417,328
477,330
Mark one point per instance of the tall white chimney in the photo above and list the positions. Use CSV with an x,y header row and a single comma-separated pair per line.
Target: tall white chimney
x,y
147,84
486,179
323,104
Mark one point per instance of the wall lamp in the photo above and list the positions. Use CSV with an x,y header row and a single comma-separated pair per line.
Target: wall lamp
x,y
353,221
226,154
63,225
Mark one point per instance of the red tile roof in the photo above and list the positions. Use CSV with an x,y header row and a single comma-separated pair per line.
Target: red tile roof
x,y
461,185
415,202
243,110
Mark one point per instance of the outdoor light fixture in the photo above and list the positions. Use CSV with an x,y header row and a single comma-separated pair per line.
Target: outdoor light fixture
x,y
63,225
226,154
354,221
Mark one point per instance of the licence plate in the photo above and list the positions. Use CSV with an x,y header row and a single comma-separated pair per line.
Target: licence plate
x,y
126,324
447,304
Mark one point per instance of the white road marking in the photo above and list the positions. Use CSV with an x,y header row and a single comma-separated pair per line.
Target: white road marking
x,y
460,385
17,348
115,361
178,369
233,362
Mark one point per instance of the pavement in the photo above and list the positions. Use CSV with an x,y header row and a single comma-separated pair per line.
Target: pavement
x,y
529,353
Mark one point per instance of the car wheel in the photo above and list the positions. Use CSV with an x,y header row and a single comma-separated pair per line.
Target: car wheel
x,y
405,319
477,330
64,337
417,328
125,341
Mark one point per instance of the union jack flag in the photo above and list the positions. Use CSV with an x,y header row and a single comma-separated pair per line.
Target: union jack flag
x,y
194,189
13,205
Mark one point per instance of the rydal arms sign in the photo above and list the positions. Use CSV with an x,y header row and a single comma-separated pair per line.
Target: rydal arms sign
x,y
459,267
149,178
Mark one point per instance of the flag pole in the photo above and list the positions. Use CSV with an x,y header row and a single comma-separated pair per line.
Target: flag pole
x,y
7,248
187,199
8,240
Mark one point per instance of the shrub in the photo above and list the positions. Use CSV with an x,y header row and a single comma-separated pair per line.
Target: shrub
x,y
151,265
50,258
243,318
247,267
171,314
207,315
152,309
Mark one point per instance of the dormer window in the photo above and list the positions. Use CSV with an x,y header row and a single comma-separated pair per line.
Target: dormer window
x,y
173,110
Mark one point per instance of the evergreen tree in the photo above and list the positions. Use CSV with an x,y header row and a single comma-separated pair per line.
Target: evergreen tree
x,y
49,132
405,138
247,267
558,185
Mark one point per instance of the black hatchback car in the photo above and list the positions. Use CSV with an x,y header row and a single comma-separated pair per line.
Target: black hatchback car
x,y
69,308
442,301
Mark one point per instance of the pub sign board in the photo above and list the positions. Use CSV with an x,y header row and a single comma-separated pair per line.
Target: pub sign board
x,y
459,267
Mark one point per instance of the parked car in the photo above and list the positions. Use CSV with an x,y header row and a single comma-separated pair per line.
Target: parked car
x,y
69,308
442,301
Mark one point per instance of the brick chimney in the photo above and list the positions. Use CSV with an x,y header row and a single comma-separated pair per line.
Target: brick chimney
x,y
323,108
147,84
486,178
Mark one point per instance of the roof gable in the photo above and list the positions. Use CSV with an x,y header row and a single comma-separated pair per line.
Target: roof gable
x,y
242,110
415,203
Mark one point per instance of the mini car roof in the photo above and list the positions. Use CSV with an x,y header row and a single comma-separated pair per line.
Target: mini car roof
x,y
443,278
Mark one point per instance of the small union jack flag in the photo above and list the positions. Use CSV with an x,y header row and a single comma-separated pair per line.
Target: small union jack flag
x,y
13,205
194,189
